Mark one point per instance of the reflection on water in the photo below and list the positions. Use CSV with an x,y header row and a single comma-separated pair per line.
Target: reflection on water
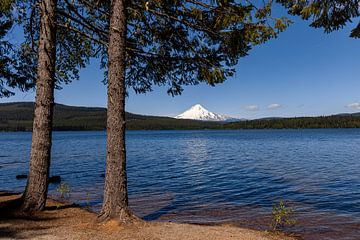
x,y
214,176
196,150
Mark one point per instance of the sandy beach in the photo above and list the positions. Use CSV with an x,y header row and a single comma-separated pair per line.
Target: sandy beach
x,y
68,221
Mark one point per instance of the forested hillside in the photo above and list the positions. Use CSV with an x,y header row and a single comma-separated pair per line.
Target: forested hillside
x,y
18,117
335,121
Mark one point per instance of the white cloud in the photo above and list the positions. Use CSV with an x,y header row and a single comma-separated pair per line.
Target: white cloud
x,y
274,106
354,105
252,107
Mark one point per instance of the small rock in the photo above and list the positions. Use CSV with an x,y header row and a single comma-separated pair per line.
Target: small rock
x,y
55,179
102,175
21,176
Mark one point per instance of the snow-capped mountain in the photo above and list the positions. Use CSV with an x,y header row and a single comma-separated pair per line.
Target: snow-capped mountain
x,y
198,112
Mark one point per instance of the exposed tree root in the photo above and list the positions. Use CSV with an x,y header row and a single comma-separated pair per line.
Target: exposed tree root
x,y
123,216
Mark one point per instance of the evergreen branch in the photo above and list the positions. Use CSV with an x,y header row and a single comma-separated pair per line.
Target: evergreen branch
x,y
89,5
73,29
87,26
133,50
156,56
204,5
194,51
183,21
73,9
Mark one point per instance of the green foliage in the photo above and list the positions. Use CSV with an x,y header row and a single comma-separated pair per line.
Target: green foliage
x,y
64,190
19,117
178,42
328,14
5,60
88,199
281,217
9,67
73,49
8,78
336,121
174,43
5,6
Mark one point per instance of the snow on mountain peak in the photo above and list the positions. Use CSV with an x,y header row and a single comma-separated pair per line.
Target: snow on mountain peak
x,y
198,107
198,112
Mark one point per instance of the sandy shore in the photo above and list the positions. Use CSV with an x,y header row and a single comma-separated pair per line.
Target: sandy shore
x,y
64,221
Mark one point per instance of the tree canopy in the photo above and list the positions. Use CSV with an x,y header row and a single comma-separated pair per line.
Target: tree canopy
x,y
328,14
169,42
5,72
18,62
178,42
172,42
7,75
73,51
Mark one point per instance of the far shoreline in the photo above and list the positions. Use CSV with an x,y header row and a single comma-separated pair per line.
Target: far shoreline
x,y
208,129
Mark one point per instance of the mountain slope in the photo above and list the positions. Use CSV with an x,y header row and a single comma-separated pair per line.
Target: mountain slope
x,y
198,112
18,116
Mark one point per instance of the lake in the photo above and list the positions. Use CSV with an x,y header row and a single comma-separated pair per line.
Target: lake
x,y
233,176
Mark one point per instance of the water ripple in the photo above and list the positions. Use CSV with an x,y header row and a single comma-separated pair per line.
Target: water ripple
x,y
221,176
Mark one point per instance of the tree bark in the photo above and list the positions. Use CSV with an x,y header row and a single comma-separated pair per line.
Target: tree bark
x,y
115,204
34,197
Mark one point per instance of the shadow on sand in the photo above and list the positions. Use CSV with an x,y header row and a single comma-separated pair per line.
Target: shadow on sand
x,y
16,225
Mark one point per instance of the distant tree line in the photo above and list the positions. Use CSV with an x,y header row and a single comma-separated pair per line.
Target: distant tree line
x,y
19,117
297,123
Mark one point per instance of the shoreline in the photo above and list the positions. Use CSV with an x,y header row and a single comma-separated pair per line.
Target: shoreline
x,y
65,220
195,129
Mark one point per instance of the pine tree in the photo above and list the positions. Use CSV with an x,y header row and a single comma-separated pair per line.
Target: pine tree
x,y
18,63
34,197
172,42
8,76
142,44
49,56
328,14
115,203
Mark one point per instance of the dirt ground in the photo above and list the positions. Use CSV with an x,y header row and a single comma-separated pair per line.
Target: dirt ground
x,y
66,221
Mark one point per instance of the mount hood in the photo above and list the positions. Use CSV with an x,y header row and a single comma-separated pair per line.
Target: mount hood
x,y
198,112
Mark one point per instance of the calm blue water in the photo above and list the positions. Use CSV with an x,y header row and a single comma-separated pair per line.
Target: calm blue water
x,y
214,176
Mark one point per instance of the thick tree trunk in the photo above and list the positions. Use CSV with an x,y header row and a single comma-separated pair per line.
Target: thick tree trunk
x,y
115,203
34,197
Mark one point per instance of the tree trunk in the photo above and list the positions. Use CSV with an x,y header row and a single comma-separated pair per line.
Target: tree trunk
x,y
34,197
115,204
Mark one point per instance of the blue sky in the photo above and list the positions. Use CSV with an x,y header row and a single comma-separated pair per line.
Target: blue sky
x,y
304,72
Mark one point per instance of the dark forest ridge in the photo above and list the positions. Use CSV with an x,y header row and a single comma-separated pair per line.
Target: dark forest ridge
x,y
18,116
